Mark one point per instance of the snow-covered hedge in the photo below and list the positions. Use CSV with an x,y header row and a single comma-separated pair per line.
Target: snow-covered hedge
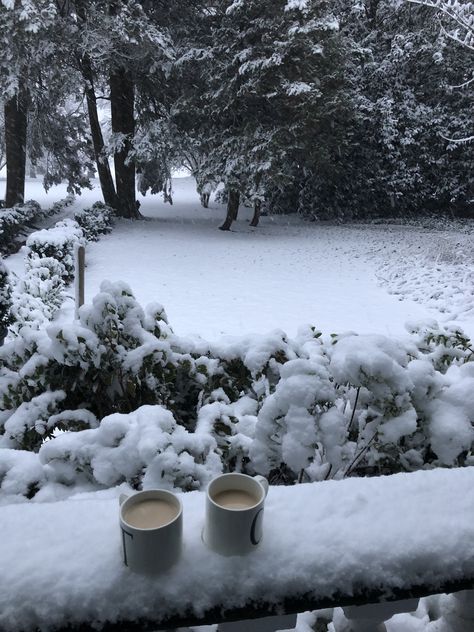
x,y
50,262
142,405
95,221
39,294
5,300
49,265
58,243
15,221
60,205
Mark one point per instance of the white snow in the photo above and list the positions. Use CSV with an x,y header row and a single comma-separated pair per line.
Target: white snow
x,y
124,445
62,558
296,4
283,274
61,562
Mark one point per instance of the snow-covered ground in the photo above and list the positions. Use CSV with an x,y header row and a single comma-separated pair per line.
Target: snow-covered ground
x,y
287,272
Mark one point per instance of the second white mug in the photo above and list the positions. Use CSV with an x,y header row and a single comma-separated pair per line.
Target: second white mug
x,y
234,513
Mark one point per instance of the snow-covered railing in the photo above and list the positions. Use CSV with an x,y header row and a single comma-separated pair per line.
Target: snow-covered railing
x,y
333,543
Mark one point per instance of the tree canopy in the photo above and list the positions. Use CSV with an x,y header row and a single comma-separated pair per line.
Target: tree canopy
x,y
331,109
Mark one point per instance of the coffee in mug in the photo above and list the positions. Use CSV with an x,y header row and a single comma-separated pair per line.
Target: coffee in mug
x,y
151,524
234,513
235,499
150,514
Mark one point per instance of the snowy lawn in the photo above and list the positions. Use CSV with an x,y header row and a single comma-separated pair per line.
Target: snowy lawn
x,y
61,562
284,273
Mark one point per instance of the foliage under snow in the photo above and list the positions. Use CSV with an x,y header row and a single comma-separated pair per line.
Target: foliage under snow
x,y
5,298
140,404
14,222
95,221
57,242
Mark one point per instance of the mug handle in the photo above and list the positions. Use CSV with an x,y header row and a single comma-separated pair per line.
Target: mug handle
x,y
263,482
122,498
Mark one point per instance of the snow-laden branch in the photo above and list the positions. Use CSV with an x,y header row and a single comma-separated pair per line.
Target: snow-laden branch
x,y
460,13
464,84
460,141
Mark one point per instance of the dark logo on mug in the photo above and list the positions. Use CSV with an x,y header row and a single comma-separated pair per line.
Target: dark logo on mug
x,y
256,528
124,545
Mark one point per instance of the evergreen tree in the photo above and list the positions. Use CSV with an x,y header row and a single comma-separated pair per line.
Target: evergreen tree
x,y
5,301
270,77
42,117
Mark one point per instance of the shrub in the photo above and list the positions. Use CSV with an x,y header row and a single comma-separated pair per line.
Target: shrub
x,y
5,301
176,411
39,294
59,243
146,447
16,221
115,358
95,221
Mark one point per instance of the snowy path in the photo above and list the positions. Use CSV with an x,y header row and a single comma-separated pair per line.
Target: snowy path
x,y
283,274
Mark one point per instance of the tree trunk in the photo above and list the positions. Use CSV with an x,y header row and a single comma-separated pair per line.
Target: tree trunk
x,y
257,208
232,209
205,196
123,123
371,8
103,170
15,145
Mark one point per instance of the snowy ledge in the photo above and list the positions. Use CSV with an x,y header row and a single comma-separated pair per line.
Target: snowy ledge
x,y
331,543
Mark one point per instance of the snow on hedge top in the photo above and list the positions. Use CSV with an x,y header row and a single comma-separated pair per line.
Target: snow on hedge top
x,y
61,562
62,233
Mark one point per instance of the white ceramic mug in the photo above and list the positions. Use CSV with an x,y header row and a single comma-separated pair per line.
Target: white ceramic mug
x,y
151,550
234,531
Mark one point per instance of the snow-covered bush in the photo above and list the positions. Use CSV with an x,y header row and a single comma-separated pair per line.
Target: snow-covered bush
x,y
29,423
49,265
44,279
21,473
442,345
291,420
61,204
59,243
13,222
142,405
95,221
39,294
144,448
115,358
231,425
5,301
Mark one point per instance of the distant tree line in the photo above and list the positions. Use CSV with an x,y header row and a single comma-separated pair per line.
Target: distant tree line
x,y
328,108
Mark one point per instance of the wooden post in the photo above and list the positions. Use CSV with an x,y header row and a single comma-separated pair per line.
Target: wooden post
x,y
79,277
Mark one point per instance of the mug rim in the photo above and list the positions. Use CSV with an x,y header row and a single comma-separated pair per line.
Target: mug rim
x,y
238,475
146,492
